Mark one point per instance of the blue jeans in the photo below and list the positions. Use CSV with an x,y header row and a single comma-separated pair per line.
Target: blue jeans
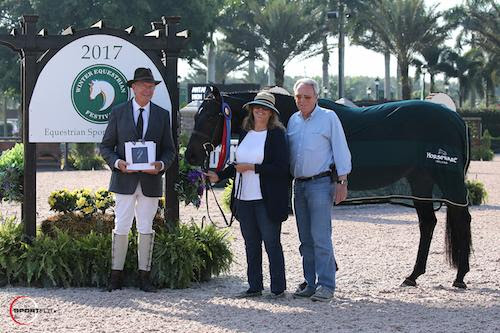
x,y
313,204
257,227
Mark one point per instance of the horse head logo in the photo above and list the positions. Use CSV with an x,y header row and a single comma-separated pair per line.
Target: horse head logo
x,y
104,88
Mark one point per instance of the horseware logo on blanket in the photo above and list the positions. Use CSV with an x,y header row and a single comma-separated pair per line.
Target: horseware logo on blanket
x,y
441,157
96,90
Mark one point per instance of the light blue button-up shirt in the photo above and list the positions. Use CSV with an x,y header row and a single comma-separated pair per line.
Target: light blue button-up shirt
x,y
316,143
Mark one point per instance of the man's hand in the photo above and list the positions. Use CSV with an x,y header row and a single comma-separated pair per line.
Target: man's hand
x,y
242,167
122,165
156,170
340,192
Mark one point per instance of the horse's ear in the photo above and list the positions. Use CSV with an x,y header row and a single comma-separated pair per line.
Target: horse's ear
x,y
216,93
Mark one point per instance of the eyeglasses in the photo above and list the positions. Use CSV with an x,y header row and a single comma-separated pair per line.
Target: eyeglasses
x,y
306,97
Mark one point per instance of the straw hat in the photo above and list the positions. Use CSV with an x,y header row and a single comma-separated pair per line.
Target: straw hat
x,y
263,98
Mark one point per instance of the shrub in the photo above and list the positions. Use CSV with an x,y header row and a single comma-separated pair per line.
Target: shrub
x,y
104,200
477,194
12,173
62,201
61,259
84,157
85,202
226,196
483,152
490,119
214,251
11,249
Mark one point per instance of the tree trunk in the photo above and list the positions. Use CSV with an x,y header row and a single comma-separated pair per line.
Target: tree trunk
x,y
279,74
490,92
472,97
387,79
461,93
271,72
405,81
211,62
251,67
398,82
326,61
432,84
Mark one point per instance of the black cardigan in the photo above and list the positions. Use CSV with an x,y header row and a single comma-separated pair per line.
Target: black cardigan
x,y
274,175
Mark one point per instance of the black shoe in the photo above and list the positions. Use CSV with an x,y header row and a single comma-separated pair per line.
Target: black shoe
x,y
145,282
249,293
115,280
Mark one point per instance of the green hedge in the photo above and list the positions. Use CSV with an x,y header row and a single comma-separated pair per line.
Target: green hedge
x,y
12,173
490,119
190,253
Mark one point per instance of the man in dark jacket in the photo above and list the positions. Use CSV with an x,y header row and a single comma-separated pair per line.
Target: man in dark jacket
x,y
137,192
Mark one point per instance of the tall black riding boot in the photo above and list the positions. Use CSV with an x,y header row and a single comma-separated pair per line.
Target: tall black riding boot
x,y
145,244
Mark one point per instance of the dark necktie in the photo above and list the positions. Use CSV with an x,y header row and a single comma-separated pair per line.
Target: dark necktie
x,y
140,124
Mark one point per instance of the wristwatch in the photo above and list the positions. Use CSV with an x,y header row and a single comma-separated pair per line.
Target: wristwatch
x,y
342,181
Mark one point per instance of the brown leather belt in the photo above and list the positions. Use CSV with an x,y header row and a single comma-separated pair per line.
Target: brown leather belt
x,y
320,175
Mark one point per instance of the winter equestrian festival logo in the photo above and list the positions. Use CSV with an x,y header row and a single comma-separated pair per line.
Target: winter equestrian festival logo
x,y
96,90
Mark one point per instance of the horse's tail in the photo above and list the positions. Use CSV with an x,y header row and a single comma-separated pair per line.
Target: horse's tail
x,y
458,235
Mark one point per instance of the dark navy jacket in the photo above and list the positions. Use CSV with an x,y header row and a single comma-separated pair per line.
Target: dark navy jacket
x,y
274,175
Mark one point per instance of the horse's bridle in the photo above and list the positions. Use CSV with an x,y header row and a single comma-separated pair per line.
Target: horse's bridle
x,y
208,147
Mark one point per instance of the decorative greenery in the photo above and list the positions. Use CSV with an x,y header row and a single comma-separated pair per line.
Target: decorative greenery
x,y
490,119
483,152
11,249
104,200
62,201
191,183
12,173
85,202
476,192
214,250
84,157
226,196
63,259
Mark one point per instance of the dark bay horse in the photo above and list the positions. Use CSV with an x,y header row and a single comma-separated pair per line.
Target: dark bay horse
x,y
414,153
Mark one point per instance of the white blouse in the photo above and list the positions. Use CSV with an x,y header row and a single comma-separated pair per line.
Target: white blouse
x,y
250,150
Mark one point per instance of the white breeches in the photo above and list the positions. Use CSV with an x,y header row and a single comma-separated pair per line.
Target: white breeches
x,y
127,205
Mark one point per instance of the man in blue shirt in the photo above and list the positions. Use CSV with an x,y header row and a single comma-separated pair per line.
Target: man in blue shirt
x,y
317,141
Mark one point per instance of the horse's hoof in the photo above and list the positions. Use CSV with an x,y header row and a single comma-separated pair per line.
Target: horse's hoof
x,y
460,285
409,283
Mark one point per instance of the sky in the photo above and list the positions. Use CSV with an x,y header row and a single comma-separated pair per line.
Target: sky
x,y
358,60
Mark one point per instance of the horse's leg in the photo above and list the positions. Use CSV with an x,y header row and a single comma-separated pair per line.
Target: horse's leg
x,y
458,241
426,222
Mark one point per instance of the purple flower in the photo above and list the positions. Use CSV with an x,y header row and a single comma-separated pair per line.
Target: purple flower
x,y
200,190
194,176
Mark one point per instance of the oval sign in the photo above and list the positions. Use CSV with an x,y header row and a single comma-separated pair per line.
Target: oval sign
x,y
81,83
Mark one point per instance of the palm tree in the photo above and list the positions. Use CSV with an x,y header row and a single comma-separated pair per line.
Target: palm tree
x,y
360,29
402,27
431,54
479,21
225,62
463,67
289,28
237,24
